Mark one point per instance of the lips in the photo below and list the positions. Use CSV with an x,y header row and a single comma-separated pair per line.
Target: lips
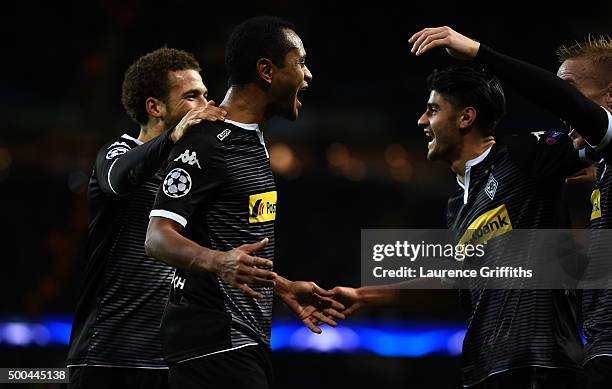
x,y
428,133
297,100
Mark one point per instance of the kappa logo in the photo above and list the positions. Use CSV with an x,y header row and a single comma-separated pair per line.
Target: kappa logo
x,y
491,187
188,158
177,183
117,149
538,134
223,134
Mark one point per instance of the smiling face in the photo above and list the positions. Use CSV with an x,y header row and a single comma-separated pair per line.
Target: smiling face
x,y
289,79
187,91
441,124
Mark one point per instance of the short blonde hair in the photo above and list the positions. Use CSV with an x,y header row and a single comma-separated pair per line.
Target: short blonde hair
x,y
598,50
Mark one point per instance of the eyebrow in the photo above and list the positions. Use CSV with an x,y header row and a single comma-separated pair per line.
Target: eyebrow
x,y
204,92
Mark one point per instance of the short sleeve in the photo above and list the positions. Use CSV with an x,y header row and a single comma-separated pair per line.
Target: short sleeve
x,y
195,168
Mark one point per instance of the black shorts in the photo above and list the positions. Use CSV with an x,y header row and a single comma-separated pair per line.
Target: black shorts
x,y
93,377
535,378
248,367
599,370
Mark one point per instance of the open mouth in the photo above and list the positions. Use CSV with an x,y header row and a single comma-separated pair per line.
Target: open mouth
x,y
430,135
297,100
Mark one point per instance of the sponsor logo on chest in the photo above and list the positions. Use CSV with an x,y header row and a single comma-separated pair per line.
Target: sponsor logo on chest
x,y
596,204
487,226
262,207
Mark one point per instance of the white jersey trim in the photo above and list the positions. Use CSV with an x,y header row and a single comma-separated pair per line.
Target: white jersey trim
x,y
251,127
218,352
169,215
108,176
595,356
468,167
608,136
513,368
246,126
123,367
138,141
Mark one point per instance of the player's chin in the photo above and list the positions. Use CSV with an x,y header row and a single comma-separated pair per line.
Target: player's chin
x,y
433,154
292,113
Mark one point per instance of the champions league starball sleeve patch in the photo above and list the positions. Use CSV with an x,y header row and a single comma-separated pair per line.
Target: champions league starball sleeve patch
x,y
177,183
117,149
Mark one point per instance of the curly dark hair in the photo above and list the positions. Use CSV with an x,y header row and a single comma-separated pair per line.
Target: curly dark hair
x,y
472,86
255,38
148,77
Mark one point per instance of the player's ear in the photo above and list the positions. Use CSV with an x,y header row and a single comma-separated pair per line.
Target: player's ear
x,y
155,107
466,118
265,68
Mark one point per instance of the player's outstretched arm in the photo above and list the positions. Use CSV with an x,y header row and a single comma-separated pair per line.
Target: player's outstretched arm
x,y
399,294
309,302
356,298
590,120
237,267
120,170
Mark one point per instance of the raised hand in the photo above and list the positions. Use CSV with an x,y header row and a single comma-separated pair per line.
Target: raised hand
x,y
457,45
309,302
208,111
238,268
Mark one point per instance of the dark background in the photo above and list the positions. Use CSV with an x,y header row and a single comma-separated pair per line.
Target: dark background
x,y
354,159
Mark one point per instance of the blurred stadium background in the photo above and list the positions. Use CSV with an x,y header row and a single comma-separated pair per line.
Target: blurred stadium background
x,y
355,159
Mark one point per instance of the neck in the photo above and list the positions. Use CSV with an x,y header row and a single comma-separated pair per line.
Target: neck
x,y
468,152
151,130
245,104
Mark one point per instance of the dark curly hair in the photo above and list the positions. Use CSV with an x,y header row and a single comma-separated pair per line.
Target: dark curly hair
x,y
148,77
473,86
255,38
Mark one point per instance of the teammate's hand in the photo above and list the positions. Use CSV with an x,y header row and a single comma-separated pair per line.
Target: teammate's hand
x,y
586,175
457,45
310,303
349,297
238,268
208,112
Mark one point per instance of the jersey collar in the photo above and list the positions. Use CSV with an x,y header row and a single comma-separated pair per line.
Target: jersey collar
x,y
468,167
246,126
126,136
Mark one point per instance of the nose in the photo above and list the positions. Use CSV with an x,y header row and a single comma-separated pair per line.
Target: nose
x,y
307,74
423,120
